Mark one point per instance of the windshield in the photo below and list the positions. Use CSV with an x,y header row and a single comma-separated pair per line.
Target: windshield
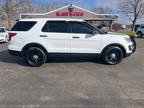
x,y
95,28
2,30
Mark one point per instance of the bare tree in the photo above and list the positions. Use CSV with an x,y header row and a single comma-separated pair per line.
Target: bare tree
x,y
9,7
24,7
48,6
102,10
133,9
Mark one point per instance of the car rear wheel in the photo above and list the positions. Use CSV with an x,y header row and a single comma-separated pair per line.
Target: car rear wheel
x,y
113,55
35,56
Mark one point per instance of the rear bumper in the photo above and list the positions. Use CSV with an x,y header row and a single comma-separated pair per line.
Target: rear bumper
x,y
15,53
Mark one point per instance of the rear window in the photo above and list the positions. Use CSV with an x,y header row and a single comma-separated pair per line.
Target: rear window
x,y
23,25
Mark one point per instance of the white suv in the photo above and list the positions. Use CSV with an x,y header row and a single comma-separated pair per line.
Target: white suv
x,y
37,38
3,34
140,31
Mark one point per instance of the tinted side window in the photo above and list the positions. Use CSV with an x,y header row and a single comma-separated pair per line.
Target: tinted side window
x,y
23,25
45,28
55,26
80,27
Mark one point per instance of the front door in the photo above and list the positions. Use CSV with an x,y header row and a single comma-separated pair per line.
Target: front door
x,y
82,38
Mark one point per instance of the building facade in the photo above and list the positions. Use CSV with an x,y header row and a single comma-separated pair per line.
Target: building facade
x,y
72,11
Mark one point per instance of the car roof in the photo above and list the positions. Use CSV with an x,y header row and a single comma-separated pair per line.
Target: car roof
x,y
51,19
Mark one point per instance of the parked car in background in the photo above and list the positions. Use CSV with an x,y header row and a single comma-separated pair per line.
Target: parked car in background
x,y
4,36
136,27
140,31
37,38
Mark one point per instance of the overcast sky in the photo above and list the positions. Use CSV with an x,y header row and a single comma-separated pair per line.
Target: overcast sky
x,y
89,4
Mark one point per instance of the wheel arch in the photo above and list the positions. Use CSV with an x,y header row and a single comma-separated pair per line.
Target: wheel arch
x,y
25,48
115,44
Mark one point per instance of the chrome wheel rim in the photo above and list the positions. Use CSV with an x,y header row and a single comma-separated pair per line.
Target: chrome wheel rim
x,y
114,56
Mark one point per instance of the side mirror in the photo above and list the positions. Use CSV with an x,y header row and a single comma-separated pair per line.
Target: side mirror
x,y
94,32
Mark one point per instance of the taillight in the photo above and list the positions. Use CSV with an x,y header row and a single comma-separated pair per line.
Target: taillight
x,y
11,35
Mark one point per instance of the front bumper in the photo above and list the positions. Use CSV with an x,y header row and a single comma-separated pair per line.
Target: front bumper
x,y
131,47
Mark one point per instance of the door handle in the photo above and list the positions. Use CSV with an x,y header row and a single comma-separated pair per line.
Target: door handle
x,y
75,37
43,36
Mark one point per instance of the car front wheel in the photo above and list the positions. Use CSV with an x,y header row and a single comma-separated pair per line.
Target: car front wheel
x,y
113,55
35,56
139,35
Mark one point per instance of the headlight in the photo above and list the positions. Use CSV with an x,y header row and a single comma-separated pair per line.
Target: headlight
x,y
128,39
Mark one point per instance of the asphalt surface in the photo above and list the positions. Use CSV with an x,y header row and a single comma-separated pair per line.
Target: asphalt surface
x,y
72,82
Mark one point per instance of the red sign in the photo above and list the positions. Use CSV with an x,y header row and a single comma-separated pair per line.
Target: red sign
x,y
69,13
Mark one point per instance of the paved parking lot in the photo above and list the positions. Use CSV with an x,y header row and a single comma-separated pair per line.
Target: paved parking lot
x,y
72,82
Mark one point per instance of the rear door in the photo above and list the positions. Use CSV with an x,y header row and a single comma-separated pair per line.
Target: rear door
x,y
57,36
82,38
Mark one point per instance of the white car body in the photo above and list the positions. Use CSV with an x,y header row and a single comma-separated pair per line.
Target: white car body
x,y
63,42
3,34
66,42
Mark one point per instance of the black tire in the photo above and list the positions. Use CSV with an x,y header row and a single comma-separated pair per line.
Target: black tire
x,y
139,35
112,55
35,56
